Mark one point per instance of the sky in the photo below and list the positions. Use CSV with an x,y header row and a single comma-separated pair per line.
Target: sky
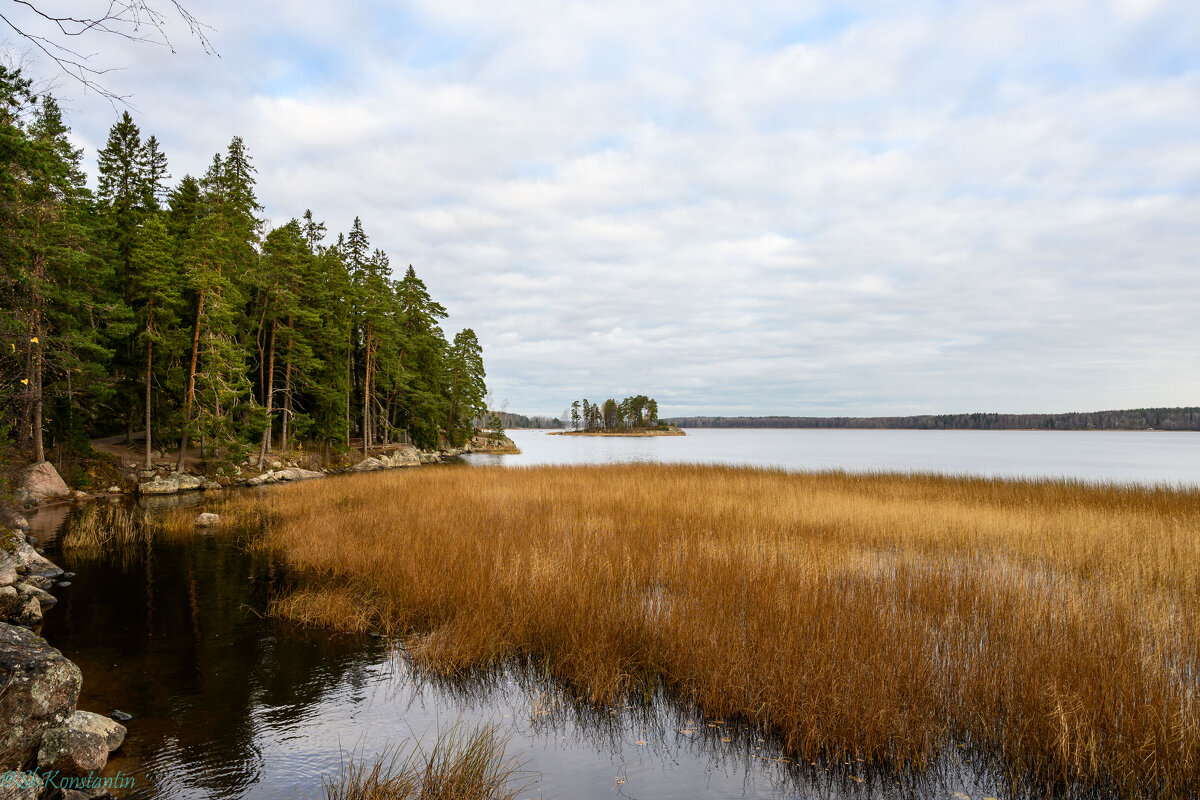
x,y
810,208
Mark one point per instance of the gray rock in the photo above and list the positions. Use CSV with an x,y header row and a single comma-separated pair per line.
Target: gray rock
x,y
72,752
13,521
40,581
42,482
8,573
158,486
44,598
261,480
78,495
211,486
42,689
119,716
207,520
112,731
25,556
369,465
113,490
187,482
297,474
276,465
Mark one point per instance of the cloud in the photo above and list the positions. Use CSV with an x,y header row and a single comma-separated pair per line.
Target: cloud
x,y
764,207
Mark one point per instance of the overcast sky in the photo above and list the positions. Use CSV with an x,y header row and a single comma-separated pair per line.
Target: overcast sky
x,y
738,208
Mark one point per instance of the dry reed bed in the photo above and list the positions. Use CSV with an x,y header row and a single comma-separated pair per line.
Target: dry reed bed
x,y
1051,625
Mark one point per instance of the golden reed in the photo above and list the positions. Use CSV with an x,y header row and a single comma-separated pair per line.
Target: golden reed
x,y
1052,625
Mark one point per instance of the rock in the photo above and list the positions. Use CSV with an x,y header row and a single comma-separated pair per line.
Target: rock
x,y
211,486
40,581
68,574
8,574
120,716
187,482
42,482
13,521
297,474
33,540
112,731
78,495
207,520
30,613
259,480
72,752
41,692
177,482
23,555
44,598
369,465
158,486
8,591
64,584
276,465
113,490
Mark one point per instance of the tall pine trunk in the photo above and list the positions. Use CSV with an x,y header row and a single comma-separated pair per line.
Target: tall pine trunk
x,y
287,388
366,422
191,384
149,364
266,440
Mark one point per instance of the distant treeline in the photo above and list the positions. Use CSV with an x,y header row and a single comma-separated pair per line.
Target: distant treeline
x,y
511,420
1166,419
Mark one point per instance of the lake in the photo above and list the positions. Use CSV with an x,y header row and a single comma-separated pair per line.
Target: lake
x,y
1145,457
230,704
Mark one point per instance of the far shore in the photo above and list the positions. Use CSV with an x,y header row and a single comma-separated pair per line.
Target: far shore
x,y
672,431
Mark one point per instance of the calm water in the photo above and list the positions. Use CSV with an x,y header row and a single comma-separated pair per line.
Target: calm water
x,y
228,704
1116,456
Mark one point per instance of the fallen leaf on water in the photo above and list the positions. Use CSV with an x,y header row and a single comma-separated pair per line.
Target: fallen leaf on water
x,y
640,743
856,779
961,796
726,739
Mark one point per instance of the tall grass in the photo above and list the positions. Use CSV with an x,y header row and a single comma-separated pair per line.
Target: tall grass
x,y
1053,626
459,765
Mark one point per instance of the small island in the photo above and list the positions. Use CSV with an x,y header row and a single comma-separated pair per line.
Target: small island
x,y
633,416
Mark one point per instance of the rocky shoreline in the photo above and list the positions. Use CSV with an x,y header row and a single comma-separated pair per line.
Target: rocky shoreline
x,y
48,747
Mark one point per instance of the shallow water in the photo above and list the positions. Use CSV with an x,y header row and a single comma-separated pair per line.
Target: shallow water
x,y
1145,457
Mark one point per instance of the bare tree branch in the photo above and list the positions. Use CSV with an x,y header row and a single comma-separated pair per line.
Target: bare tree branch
x,y
132,20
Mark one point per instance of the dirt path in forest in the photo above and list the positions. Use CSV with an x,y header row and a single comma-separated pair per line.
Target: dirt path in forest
x,y
135,452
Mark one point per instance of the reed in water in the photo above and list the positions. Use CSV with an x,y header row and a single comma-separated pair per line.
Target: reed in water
x,y
1052,625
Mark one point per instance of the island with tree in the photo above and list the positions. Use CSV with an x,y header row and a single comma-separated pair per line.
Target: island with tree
x,y
633,416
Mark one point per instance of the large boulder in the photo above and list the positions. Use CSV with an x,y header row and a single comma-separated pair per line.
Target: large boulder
x,y
112,731
16,551
207,520
42,687
297,474
369,465
158,486
72,752
187,483
41,482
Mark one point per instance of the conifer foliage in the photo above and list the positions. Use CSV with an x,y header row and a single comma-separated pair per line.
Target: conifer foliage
x,y
169,314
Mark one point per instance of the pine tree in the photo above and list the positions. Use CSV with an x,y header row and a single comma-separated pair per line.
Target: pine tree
x,y
466,387
156,295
